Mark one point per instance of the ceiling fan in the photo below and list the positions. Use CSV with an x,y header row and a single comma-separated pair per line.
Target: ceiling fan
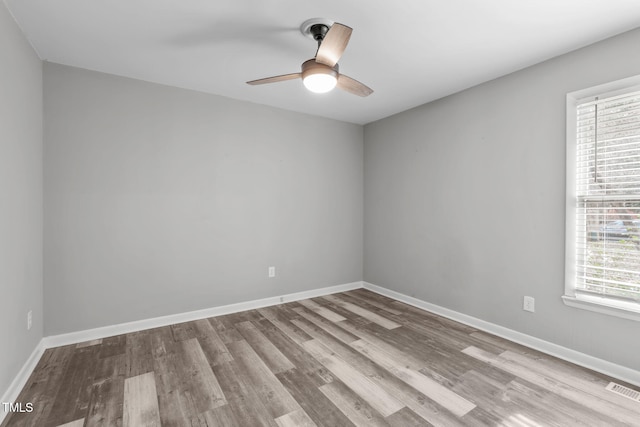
x,y
321,74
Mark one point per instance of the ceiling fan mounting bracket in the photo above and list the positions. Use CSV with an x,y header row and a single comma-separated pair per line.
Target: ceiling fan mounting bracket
x,y
319,31
316,28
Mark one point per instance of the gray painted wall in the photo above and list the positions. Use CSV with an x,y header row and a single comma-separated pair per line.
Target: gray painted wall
x,y
160,200
20,198
465,197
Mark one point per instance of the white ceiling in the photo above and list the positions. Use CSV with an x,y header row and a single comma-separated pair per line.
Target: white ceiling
x,y
410,51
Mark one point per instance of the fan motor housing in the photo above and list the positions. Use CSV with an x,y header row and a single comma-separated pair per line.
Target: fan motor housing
x,y
312,67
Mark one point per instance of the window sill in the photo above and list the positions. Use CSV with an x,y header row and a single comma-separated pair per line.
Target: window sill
x,y
625,310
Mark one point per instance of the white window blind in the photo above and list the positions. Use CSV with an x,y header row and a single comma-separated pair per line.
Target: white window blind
x,y
608,197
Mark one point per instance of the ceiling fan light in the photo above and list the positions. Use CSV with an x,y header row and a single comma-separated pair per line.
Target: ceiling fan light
x,y
319,78
320,82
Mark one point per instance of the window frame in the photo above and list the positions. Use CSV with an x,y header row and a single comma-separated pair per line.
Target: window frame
x,y
597,303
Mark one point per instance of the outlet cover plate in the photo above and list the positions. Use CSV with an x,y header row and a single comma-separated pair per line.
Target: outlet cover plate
x,y
529,304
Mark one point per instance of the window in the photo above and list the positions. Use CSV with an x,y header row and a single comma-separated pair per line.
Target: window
x,y
603,199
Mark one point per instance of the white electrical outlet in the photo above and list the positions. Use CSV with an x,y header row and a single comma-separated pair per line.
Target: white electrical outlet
x,y
529,304
272,272
29,319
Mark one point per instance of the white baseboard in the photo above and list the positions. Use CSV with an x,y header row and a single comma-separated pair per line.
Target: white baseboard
x,y
599,365
139,325
20,380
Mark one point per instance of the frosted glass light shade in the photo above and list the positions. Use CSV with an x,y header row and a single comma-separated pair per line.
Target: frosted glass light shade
x,y
320,82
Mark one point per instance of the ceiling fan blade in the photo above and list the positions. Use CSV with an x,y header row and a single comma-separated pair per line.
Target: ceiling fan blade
x,y
353,86
333,44
275,79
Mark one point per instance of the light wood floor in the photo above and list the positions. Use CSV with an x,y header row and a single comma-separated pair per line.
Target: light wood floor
x,y
354,358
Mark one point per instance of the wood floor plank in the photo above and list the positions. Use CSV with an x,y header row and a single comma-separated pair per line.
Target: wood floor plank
x,y
362,312
113,346
175,407
225,329
268,352
366,303
350,355
138,350
455,403
77,381
403,355
433,413
356,409
306,392
76,423
330,327
376,396
201,382
278,318
322,311
141,401
297,418
88,344
439,322
243,316
211,343
272,393
485,389
375,300
341,311
183,331
107,395
405,417
303,361
247,407
501,343
220,416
